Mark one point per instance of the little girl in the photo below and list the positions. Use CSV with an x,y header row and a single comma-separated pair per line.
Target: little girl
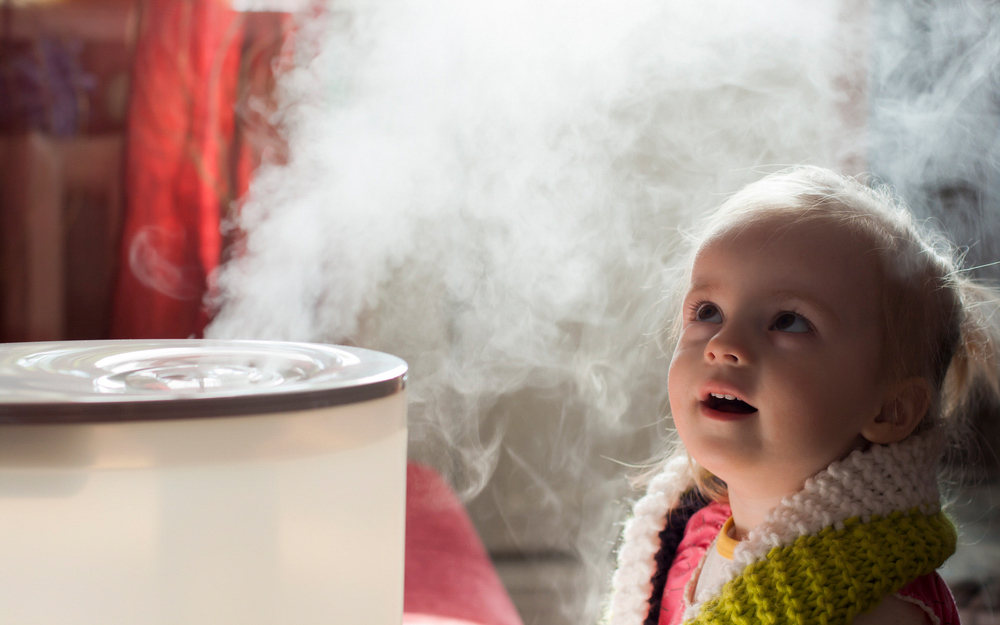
x,y
823,350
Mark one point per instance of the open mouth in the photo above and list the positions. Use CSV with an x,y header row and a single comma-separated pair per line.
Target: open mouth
x,y
728,404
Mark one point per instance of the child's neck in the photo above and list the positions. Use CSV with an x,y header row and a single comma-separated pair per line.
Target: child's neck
x,y
749,511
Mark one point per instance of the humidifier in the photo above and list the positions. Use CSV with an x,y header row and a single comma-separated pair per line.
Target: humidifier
x,y
201,482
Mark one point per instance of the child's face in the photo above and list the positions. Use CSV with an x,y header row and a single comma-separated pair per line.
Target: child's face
x,y
785,319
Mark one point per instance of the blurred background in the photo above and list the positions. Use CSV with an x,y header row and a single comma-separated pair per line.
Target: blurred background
x,y
496,192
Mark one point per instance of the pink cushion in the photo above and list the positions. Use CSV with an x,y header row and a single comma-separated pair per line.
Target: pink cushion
x,y
450,579
429,619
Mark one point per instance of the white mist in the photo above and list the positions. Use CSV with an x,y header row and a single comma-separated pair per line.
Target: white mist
x,y
497,193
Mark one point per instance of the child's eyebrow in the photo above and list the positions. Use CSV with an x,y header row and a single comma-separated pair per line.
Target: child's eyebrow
x,y
809,300
701,287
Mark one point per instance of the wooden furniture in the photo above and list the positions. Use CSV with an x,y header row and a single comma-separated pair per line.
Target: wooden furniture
x,y
60,207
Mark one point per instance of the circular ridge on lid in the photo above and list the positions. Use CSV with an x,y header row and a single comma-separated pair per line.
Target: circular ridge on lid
x,y
140,380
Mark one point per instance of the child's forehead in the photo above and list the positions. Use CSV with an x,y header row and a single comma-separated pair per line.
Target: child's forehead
x,y
769,230
813,254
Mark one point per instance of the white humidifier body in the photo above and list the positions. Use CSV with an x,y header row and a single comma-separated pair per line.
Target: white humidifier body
x,y
201,482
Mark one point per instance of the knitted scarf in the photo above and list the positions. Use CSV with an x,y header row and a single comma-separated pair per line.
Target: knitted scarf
x,y
862,528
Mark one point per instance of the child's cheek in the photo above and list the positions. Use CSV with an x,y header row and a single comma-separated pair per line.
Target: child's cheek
x,y
680,362
695,335
675,375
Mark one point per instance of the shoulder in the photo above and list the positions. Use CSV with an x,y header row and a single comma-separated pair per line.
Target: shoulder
x,y
894,611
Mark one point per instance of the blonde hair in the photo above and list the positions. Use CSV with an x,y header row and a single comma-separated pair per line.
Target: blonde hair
x,y
936,323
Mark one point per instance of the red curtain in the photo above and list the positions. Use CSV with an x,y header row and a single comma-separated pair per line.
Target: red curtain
x,y
178,165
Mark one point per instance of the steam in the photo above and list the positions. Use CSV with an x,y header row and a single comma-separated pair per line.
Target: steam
x,y
497,191
935,117
150,265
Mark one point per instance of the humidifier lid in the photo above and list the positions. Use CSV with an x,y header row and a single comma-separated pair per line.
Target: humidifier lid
x,y
98,381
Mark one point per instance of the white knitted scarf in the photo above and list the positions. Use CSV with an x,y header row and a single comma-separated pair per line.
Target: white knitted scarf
x,y
876,481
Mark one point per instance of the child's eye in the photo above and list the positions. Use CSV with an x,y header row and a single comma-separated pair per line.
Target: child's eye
x,y
791,322
707,312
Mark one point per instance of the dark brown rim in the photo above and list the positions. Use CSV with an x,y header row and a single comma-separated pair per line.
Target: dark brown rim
x,y
197,408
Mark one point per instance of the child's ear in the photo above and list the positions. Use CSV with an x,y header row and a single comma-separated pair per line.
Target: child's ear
x,y
906,403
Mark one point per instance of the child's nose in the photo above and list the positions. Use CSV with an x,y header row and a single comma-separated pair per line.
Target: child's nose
x,y
726,347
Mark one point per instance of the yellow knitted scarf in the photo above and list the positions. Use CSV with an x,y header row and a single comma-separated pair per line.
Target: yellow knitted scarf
x,y
830,577
860,529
